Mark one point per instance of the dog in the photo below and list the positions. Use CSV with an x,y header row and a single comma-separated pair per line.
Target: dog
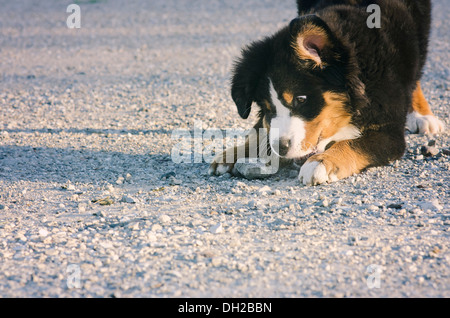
x,y
334,92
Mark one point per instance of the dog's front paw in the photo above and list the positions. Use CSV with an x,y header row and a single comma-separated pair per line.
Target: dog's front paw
x,y
223,163
315,172
219,169
423,124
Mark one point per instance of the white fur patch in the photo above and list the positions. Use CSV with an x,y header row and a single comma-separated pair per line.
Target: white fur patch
x,y
423,124
283,125
222,169
345,133
313,173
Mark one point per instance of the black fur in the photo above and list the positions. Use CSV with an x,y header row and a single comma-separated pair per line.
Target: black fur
x,y
377,68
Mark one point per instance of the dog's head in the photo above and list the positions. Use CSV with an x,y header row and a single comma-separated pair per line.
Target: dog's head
x,y
298,78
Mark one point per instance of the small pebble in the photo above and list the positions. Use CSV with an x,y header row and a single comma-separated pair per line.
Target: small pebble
x,y
396,206
110,188
265,189
128,199
156,227
352,240
216,261
43,232
164,218
167,175
104,201
120,180
429,151
174,181
68,186
431,205
216,229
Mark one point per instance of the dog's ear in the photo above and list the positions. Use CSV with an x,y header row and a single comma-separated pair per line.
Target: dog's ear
x,y
312,40
248,72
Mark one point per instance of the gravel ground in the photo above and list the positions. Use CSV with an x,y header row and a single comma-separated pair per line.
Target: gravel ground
x,y
92,204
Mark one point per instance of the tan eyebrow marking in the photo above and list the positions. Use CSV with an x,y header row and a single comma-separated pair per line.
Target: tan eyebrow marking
x,y
288,97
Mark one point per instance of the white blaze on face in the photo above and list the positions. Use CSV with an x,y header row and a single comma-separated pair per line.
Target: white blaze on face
x,y
284,125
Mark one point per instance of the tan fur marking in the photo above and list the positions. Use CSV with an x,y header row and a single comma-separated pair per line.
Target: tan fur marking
x,y
419,103
267,104
342,160
332,118
288,97
266,124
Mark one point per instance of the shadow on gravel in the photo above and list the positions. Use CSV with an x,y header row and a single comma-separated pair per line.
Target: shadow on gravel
x,y
42,164
38,164
91,131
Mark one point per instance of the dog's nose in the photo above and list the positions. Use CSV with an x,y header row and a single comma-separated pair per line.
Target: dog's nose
x,y
283,146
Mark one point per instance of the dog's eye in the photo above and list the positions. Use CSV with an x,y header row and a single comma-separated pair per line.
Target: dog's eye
x,y
301,99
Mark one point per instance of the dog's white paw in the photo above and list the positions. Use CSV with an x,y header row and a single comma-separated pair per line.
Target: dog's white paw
x,y
219,169
423,124
220,165
315,172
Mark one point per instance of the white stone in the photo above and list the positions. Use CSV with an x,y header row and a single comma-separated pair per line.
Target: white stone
x,y
216,229
431,205
265,189
43,232
164,218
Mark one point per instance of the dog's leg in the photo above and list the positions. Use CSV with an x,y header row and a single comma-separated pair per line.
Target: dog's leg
x,y
348,157
420,118
225,161
339,161
221,165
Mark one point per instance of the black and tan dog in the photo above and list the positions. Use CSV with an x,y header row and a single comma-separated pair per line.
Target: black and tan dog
x,y
332,89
